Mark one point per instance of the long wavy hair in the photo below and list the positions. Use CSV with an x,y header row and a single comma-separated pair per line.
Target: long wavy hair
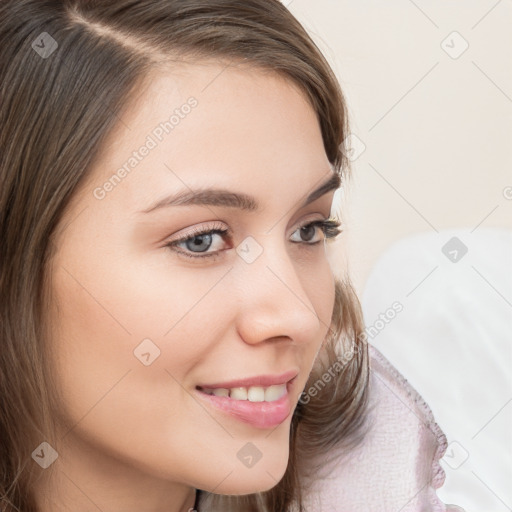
x,y
68,69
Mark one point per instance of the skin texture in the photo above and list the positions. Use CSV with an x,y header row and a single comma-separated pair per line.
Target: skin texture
x,y
136,437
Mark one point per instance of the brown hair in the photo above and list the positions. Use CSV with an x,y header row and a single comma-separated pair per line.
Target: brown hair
x,y
58,105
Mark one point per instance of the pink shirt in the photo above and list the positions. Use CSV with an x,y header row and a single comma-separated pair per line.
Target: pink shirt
x,y
396,467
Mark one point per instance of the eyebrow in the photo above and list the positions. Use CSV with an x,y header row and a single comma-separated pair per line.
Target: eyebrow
x,y
229,199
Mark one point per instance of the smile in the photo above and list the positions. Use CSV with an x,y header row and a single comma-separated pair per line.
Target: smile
x,y
252,394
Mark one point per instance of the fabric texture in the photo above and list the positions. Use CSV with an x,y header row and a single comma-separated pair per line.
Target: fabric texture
x,y
452,341
396,467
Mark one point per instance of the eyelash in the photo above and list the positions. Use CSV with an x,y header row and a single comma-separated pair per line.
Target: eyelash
x,y
330,228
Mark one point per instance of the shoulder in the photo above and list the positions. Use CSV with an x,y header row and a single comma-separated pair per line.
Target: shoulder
x,y
396,467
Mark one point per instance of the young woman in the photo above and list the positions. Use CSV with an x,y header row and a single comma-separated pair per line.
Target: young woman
x,y
172,335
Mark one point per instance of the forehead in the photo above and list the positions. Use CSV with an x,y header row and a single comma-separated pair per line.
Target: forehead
x,y
210,124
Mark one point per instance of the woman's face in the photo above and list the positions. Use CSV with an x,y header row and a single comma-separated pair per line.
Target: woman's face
x,y
138,324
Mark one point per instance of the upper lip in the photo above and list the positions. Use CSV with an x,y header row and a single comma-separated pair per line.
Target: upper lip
x,y
258,380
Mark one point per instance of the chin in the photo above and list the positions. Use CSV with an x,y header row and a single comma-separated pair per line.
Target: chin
x,y
263,476
241,486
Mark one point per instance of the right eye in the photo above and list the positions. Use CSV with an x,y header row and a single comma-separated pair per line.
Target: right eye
x,y
197,243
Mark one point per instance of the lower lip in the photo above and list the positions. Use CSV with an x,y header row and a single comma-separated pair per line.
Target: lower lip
x,y
257,414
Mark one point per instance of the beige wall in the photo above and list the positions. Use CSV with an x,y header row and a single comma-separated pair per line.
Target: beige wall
x,y
437,129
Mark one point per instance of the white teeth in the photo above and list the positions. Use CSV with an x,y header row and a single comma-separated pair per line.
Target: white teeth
x,y
253,393
238,393
275,392
256,394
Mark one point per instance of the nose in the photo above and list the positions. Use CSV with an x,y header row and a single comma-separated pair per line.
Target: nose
x,y
271,301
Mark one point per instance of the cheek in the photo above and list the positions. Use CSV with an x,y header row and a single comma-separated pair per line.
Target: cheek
x,y
320,287
321,290
106,389
106,324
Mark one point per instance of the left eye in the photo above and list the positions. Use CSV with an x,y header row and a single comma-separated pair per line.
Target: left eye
x,y
197,244
310,230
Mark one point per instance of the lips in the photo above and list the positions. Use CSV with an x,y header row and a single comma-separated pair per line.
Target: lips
x,y
259,414
259,380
